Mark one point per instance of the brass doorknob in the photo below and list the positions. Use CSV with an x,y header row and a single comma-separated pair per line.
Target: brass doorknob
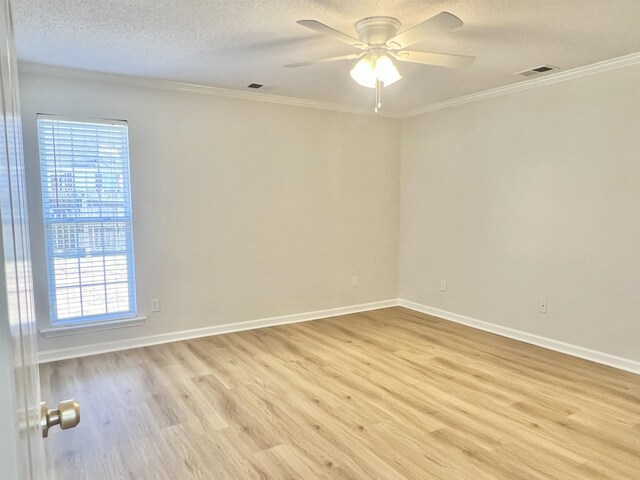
x,y
67,415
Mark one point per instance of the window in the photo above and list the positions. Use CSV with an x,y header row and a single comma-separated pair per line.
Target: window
x,y
86,202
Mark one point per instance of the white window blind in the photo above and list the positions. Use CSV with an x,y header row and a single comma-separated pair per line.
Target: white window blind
x,y
86,201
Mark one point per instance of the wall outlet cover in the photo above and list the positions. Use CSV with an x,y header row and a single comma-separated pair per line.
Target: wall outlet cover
x,y
155,304
542,306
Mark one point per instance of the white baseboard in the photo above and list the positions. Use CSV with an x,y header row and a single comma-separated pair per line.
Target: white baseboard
x,y
104,347
556,345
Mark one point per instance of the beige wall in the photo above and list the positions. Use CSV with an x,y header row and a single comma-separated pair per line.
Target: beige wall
x,y
529,196
248,210
242,210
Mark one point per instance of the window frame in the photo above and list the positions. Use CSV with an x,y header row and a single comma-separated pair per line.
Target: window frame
x,y
132,312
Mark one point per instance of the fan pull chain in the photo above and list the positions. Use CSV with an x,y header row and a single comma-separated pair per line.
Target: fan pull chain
x,y
378,96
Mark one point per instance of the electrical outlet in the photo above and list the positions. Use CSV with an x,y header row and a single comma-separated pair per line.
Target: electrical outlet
x,y
355,282
542,306
155,304
443,285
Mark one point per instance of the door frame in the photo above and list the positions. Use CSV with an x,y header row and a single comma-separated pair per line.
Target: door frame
x,y
21,448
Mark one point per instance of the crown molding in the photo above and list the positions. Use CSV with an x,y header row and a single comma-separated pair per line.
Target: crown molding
x,y
37,69
598,67
562,76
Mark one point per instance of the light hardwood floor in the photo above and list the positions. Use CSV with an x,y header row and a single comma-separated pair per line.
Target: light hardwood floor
x,y
387,394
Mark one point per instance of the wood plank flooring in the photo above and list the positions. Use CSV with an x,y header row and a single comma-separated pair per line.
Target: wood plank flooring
x,y
388,394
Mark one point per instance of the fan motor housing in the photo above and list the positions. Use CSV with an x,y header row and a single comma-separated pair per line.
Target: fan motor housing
x,y
377,30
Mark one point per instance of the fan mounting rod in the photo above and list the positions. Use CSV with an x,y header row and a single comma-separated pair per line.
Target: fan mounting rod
x,y
376,31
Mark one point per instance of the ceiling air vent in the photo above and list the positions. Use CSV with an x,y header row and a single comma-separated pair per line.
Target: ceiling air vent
x,y
537,71
255,85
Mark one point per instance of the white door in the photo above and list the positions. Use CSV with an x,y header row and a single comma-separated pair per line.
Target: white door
x,y
21,452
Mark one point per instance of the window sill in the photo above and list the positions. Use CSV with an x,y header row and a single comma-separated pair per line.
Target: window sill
x,y
91,327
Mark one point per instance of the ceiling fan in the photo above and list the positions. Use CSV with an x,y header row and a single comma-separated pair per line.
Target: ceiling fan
x,y
381,44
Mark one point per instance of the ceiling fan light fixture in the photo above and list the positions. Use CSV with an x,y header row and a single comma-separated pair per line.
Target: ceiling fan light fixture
x,y
381,68
364,73
380,45
386,71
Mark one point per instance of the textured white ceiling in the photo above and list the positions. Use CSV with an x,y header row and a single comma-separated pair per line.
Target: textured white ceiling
x,y
232,43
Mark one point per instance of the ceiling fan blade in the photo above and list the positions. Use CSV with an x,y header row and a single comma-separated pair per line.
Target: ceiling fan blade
x,y
332,32
439,59
442,22
353,56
